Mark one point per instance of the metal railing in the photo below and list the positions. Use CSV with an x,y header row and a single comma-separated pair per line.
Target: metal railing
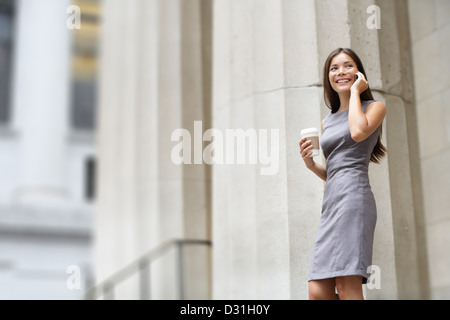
x,y
141,266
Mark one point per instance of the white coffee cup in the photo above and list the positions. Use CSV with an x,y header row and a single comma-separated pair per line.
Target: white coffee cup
x,y
313,135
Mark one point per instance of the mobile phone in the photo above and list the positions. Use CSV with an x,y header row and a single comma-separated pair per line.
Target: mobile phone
x,y
356,77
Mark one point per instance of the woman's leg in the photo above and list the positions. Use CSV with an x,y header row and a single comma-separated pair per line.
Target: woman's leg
x,y
349,287
322,289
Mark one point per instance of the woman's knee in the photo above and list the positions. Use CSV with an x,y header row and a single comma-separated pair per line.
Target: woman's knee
x,y
340,285
349,287
321,289
314,291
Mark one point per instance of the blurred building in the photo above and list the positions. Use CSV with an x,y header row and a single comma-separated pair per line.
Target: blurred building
x,y
47,141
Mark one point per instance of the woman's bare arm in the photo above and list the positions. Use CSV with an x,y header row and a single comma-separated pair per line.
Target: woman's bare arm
x,y
319,170
363,124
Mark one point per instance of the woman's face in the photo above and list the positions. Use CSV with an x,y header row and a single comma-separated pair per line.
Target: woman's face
x,y
342,72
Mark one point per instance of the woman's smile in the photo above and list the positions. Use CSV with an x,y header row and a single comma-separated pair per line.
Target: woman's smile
x,y
343,81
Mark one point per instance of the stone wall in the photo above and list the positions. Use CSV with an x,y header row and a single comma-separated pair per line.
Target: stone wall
x,y
430,40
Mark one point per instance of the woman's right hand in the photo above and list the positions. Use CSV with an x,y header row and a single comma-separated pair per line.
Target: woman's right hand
x,y
306,152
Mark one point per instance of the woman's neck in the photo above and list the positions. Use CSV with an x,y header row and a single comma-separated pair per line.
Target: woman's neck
x,y
344,99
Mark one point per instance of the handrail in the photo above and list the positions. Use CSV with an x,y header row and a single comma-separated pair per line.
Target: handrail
x,y
106,287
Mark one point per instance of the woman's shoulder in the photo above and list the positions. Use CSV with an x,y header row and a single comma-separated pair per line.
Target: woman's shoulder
x,y
372,104
324,121
367,102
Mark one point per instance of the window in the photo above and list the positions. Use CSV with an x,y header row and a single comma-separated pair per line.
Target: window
x,y
6,36
90,179
83,104
84,67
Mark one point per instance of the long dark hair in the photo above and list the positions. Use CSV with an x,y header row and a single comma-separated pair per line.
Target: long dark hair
x,y
332,98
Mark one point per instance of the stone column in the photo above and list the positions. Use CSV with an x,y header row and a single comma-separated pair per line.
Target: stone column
x,y
151,85
41,100
234,203
250,224
271,192
304,108
116,244
396,183
196,85
136,210
430,43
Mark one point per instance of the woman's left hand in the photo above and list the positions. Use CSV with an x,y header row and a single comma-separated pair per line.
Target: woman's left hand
x,y
360,85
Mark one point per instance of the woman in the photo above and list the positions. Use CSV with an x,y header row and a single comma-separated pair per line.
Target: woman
x,y
351,138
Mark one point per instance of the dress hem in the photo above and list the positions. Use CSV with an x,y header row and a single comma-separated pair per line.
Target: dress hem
x,y
335,274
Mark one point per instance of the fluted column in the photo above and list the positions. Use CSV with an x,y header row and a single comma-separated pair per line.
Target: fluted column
x,y
234,202
250,225
151,86
304,109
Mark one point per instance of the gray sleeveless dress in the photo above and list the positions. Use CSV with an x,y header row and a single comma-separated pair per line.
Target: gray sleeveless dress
x,y
344,240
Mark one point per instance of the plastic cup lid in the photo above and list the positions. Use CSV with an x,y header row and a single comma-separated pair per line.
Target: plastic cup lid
x,y
309,130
